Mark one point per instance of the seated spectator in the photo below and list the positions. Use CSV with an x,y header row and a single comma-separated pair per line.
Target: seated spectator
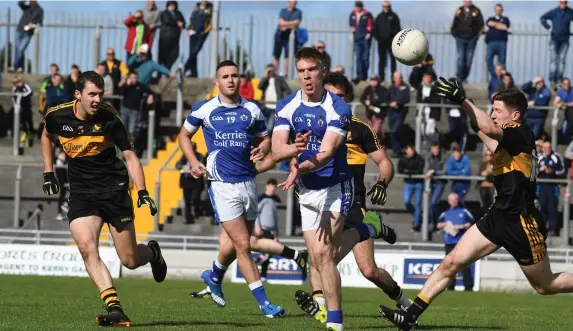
x,y
426,67
435,166
486,188
56,93
398,98
145,67
458,165
564,100
428,93
538,95
495,81
246,89
412,164
274,88
192,187
455,222
506,82
72,79
321,47
339,69
133,96
374,100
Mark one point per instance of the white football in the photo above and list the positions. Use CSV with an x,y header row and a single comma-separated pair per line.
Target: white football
x,y
410,47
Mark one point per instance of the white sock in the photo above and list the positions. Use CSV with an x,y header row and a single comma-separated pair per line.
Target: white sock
x,y
339,326
321,300
221,266
372,230
403,301
256,284
295,255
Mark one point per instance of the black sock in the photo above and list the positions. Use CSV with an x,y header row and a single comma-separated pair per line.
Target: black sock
x,y
155,252
418,307
111,300
288,252
395,293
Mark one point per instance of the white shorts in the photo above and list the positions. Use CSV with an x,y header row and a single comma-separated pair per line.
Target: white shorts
x,y
313,203
231,200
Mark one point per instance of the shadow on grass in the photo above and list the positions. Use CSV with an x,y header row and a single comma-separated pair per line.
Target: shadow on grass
x,y
196,323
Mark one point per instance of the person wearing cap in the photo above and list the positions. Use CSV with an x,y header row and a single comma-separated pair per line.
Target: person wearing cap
x,y
138,33
386,26
458,165
374,100
360,22
144,66
537,95
172,22
274,88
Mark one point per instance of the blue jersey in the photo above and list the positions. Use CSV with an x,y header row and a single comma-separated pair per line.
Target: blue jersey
x,y
331,114
458,216
229,130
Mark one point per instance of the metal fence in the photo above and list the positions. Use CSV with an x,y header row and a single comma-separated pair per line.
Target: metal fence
x,y
248,40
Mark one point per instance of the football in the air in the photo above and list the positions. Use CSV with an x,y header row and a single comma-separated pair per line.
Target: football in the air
x,y
410,47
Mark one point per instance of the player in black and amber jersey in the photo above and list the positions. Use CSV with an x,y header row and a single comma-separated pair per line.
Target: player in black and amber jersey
x,y
89,132
512,221
361,141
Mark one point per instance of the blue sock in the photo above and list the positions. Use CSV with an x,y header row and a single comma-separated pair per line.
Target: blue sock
x,y
259,292
363,231
217,273
334,316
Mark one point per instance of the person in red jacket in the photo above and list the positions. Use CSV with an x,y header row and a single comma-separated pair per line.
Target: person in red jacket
x,y
138,33
246,89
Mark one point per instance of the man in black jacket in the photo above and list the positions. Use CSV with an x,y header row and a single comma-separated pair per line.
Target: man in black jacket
x,y
466,28
321,47
398,97
274,88
172,22
418,71
496,39
374,100
133,93
413,164
386,26
428,93
32,16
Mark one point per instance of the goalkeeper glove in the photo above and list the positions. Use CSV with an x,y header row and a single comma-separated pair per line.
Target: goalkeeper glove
x,y
51,185
145,199
451,89
378,192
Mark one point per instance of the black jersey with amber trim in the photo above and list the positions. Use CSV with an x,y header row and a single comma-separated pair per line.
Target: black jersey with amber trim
x,y
361,140
90,144
515,169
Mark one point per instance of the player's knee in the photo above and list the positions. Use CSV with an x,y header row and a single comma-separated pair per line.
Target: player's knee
x,y
369,272
322,254
449,266
544,289
242,246
88,250
253,241
129,261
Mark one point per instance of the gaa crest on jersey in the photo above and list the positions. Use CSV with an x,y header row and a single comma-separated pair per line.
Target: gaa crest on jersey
x,y
320,122
244,117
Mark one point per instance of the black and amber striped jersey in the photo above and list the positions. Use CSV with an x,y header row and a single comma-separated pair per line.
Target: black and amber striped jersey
x,y
361,140
515,169
90,144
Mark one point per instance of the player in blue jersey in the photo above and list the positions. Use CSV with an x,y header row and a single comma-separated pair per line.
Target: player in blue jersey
x,y
230,125
322,120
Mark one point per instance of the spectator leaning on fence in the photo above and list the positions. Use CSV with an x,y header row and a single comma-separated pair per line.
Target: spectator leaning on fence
x,y
458,165
144,66
32,17
435,166
289,20
496,39
398,98
138,33
361,24
200,24
564,100
320,46
274,88
537,95
172,22
560,18
386,26
466,29
455,222
550,167
374,98
412,164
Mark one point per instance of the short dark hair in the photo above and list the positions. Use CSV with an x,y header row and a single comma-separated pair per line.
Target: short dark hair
x,y
89,77
340,81
133,72
75,66
55,65
226,63
410,146
309,53
499,5
272,181
513,99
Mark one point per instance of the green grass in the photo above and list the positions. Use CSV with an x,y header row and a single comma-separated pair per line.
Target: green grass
x,y
60,303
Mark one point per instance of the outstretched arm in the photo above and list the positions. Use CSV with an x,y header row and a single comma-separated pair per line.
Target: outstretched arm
x,y
328,147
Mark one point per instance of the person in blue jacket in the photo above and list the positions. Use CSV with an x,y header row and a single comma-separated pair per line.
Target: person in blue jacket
x,y
461,220
458,165
537,95
560,18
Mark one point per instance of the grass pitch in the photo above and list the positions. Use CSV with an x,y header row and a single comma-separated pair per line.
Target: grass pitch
x,y
61,303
